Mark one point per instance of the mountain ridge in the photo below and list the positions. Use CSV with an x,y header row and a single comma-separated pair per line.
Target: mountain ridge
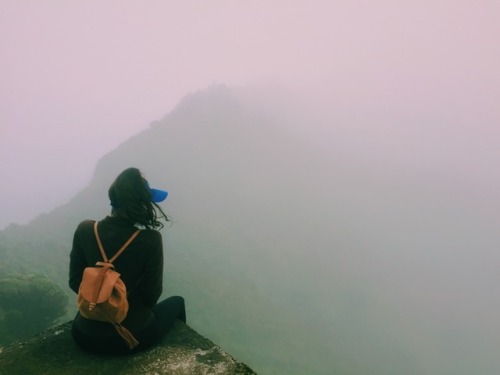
x,y
217,155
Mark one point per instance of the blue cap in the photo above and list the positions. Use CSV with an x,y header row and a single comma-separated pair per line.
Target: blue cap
x,y
158,195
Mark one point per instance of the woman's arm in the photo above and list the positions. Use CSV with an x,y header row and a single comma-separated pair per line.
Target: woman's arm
x,y
76,263
152,283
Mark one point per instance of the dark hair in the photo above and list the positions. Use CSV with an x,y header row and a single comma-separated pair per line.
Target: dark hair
x,y
131,198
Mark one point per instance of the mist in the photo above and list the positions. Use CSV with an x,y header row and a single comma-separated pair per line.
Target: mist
x,y
79,79
392,107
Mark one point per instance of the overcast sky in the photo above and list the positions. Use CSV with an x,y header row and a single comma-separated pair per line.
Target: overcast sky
x,y
77,78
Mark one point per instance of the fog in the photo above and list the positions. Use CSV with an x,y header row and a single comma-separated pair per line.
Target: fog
x,y
78,79
401,99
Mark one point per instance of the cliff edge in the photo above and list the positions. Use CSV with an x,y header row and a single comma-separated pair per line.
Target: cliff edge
x,y
182,351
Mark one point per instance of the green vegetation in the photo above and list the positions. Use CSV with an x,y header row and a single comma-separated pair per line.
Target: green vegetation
x,y
29,304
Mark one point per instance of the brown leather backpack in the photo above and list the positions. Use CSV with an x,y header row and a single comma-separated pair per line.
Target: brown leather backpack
x,y
103,295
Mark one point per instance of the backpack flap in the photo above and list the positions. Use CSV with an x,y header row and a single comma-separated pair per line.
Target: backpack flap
x,y
98,283
102,295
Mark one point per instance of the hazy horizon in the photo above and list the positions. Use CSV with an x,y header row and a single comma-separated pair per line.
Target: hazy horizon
x,y
78,79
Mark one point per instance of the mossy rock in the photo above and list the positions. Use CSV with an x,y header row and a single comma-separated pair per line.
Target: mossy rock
x,y
182,351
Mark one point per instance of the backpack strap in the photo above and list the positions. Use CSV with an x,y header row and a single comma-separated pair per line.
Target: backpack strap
x,y
118,253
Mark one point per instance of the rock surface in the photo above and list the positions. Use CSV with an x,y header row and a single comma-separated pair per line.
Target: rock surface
x,y
182,351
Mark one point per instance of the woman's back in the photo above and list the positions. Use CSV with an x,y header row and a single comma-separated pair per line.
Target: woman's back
x,y
140,266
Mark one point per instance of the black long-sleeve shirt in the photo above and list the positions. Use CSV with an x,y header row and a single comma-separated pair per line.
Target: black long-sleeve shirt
x,y
140,266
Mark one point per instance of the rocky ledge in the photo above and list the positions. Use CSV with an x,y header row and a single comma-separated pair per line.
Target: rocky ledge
x,y
183,351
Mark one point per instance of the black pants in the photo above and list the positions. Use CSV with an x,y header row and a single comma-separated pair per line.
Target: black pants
x,y
166,312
